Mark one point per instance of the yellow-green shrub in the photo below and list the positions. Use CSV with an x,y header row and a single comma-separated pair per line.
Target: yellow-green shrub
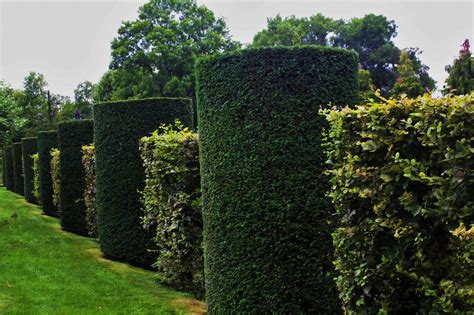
x,y
55,176
36,183
88,161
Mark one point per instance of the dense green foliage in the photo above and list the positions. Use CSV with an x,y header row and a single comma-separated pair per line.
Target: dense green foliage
x,y
29,147
72,136
9,180
118,126
267,221
461,75
11,120
47,140
88,162
56,177
402,180
172,205
17,168
36,181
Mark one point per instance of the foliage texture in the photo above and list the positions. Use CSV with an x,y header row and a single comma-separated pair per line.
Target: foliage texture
x,y
9,180
88,162
56,177
17,168
29,147
36,181
47,140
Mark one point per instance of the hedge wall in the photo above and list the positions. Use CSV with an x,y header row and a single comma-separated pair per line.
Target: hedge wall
x,y
403,182
72,136
47,140
56,177
266,218
9,180
118,127
88,162
17,168
29,147
36,181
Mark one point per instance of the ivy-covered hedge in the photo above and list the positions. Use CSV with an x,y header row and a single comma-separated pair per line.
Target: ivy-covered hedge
x,y
72,136
9,179
36,181
47,140
17,168
267,222
172,205
118,126
402,181
29,147
88,162
56,177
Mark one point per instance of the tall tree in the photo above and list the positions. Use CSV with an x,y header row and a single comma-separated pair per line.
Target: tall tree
x,y
460,78
12,121
408,83
84,97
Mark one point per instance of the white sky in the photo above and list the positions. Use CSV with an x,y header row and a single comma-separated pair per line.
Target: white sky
x,y
69,41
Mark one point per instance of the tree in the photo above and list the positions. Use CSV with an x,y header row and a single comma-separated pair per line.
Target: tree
x,y
84,98
12,121
408,83
461,75
154,55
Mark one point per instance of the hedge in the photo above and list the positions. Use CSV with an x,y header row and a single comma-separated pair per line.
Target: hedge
x,y
9,179
56,177
72,136
47,140
172,205
17,168
29,147
267,222
36,182
403,183
118,126
88,162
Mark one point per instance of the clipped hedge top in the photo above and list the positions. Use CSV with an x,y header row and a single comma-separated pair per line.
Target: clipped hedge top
x,y
141,101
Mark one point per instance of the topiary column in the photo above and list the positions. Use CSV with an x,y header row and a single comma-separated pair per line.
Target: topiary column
x,y
267,220
47,140
72,136
9,180
29,147
118,126
17,168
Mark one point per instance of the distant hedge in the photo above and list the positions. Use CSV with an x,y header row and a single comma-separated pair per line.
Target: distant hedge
x,y
9,179
17,168
29,147
118,127
47,140
267,222
88,162
403,184
72,136
56,177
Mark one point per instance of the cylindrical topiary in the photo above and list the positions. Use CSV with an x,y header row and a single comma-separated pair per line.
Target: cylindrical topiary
x,y
9,181
17,168
118,126
29,148
72,136
267,221
47,140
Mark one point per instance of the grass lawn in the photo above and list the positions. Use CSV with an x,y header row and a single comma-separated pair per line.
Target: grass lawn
x,y
44,270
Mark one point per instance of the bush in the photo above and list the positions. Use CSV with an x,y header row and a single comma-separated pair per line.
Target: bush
x,y
72,135
47,140
118,127
56,177
266,218
9,179
36,181
402,180
29,147
172,205
17,168
88,162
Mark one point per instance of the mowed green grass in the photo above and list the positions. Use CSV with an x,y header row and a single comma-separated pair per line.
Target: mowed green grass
x,y
44,270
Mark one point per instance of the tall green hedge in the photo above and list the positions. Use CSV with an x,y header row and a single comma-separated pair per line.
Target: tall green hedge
x,y
88,162
17,168
118,127
47,140
56,177
9,180
29,147
72,136
403,183
267,222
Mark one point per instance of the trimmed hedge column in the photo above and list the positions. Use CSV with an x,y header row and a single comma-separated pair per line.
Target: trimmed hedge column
x,y
72,136
18,168
47,140
9,180
29,147
118,127
268,246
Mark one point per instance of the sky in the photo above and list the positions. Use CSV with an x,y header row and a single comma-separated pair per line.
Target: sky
x,y
69,41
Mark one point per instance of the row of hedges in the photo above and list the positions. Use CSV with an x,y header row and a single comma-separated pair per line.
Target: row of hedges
x,y
29,147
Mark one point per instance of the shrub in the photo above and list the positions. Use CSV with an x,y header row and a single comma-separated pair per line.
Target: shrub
x,y
47,140
29,147
402,180
9,179
17,168
72,135
172,205
118,126
267,221
88,162
56,177
36,181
